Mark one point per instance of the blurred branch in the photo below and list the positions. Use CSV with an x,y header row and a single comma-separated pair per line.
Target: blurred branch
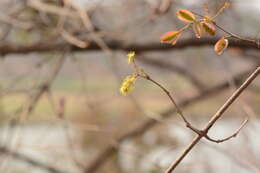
x,y
163,7
39,5
31,161
14,22
14,13
73,40
169,66
45,85
12,48
254,41
177,107
148,124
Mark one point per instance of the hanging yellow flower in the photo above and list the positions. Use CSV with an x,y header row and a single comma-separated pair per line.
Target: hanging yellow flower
x,y
128,84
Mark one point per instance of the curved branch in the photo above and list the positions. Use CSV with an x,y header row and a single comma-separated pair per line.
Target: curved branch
x,y
177,107
229,137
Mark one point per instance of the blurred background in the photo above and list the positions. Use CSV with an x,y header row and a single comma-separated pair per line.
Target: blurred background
x,y
62,63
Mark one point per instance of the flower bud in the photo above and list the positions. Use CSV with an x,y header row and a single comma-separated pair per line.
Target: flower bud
x,y
221,45
209,28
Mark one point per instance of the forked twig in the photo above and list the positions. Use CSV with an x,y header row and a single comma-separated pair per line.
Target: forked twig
x,y
167,66
213,120
229,137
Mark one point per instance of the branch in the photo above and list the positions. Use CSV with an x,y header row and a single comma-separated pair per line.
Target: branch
x,y
15,22
229,137
44,86
237,36
178,109
39,5
144,126
213,120
26,159
11,48
174,68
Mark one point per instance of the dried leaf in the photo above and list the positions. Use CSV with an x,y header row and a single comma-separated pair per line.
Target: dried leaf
x,y
186,16
221,45
170,37
209,28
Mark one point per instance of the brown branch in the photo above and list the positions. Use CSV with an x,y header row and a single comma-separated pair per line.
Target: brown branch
x,y
28,160
178,109
163,7
45,7
11,48
44,86
15,22
254,41
213,120
105,154
73,40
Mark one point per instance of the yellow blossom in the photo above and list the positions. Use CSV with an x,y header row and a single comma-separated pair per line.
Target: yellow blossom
x,y
128,84
130,56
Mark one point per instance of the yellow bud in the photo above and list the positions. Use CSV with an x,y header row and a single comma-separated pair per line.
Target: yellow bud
x,y
130,57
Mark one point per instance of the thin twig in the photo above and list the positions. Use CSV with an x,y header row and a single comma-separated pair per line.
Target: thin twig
x,y
31,161
39,5
73,40
186,73
229,137
15,22
44,86
235,35
178,109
